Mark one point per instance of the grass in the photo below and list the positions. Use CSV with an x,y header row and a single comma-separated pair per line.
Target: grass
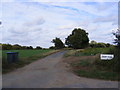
x,y
25,53
25,57
86,52
98,74
89,63
87,68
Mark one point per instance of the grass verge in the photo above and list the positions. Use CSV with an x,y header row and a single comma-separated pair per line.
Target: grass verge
x,y
88,51
88,68
98,74
90,65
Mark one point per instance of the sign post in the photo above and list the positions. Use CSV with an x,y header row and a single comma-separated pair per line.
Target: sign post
x,y
106,56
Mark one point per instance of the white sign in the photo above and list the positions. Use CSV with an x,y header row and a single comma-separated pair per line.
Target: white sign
x,y
106,56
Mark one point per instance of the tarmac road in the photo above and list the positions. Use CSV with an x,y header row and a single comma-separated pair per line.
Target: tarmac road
x,y
51,72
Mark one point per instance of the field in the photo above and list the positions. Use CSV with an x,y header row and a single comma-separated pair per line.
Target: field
x,y
25,57
25,53
87,63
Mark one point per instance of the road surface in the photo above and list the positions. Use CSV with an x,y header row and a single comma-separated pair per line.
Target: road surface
x,y
51,72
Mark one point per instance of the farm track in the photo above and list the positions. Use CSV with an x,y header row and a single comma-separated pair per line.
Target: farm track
x,y
51,72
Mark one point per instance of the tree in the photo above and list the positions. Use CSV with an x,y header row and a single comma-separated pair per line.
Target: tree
x,y
6,46
29,47
117,35
108,45
101,45
93,44
78,39
52,47
16,47
58,43
38,47
24,47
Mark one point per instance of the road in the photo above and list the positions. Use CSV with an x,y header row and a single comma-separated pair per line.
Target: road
x,y
51,72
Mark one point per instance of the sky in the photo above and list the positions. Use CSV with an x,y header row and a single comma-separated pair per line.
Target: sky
x,y
36,23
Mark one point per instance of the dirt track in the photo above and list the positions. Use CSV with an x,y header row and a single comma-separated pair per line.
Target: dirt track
x,y
51,72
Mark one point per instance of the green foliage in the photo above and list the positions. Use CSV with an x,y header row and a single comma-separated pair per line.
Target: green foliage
x,y
84,63
93,66
70,53
98,74
108,45
15,47
93,51
52,47
6,46
88,68
113,64
29,47
94,44
87,51
38,47
96,68
58,43
78,39
25,53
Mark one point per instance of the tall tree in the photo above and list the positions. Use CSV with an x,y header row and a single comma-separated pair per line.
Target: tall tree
x,y
58,43
78,39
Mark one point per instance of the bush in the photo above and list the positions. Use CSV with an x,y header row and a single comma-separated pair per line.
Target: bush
x,y
52,47
38,47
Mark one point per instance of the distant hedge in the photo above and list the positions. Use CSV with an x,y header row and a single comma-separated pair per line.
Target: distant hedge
x,y
17,47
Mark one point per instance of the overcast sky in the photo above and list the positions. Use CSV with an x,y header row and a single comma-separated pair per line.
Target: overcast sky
x,y
36,23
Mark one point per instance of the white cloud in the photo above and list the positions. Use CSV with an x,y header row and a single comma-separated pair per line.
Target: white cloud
x,y
111,18
100,9
38,23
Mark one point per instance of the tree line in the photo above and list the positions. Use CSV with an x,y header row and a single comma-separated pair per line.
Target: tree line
x,y
17,47
78,39
94,44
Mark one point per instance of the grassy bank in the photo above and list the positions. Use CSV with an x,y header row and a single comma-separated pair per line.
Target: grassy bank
x,y
25,57
88,68
89,64
88,51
